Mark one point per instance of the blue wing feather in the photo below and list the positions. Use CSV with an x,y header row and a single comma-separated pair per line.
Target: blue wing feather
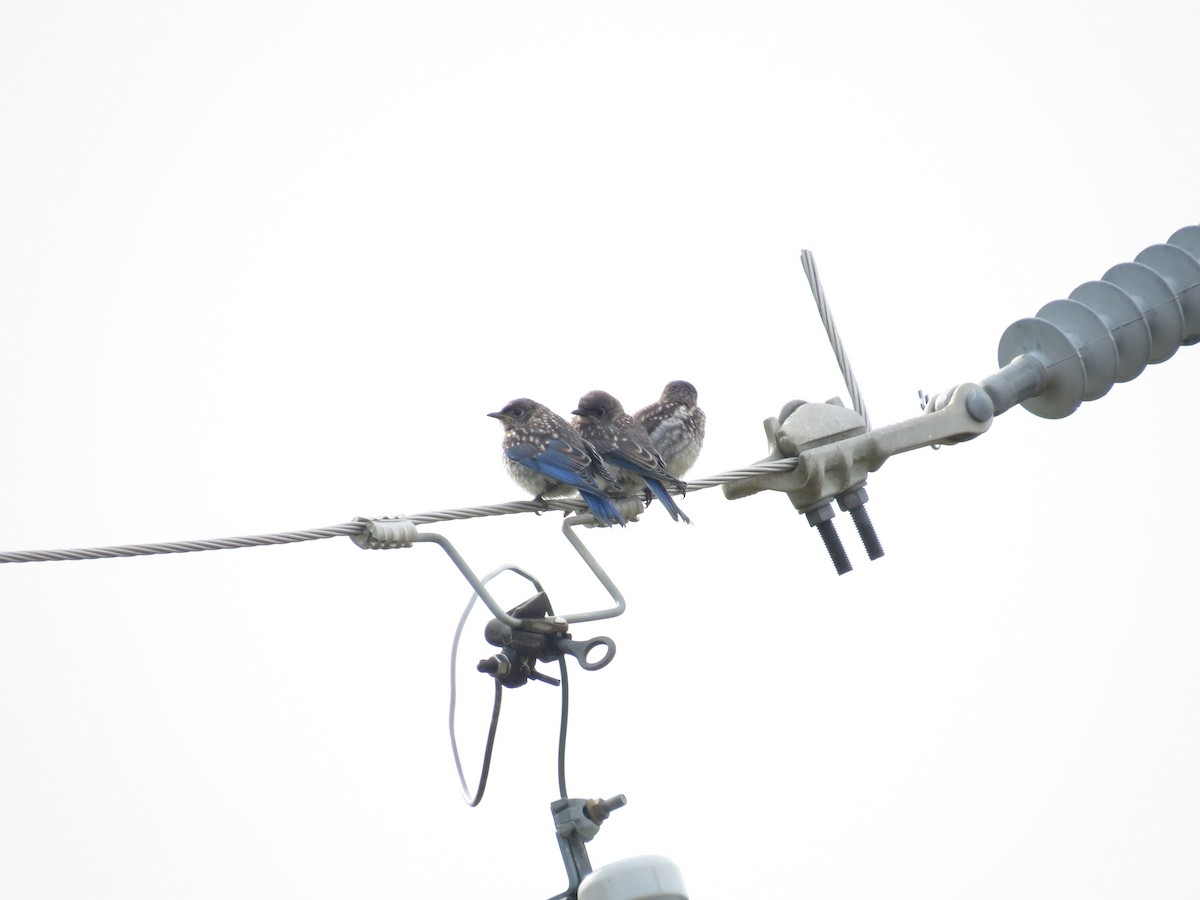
x,y
563,462
558,461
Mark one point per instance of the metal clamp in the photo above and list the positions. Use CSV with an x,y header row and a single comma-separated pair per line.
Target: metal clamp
x,y
827,469
835,452
542,636
576,822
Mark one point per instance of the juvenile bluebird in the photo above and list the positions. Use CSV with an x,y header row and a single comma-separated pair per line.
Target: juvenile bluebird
x,y
676,426
626,447
546,456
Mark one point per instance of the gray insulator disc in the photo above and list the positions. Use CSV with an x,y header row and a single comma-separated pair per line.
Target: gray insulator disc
x,y
1156,299
1181,271
1187,238
1066,379
1125,322
1091,338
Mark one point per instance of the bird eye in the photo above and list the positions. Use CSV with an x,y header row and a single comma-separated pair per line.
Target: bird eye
x,y
518,412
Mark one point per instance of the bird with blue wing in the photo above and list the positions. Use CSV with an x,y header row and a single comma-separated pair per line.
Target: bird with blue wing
x,y
676,426
546,456
627,448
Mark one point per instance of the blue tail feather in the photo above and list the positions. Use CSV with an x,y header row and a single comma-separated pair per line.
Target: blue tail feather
x,y
667,500
603,509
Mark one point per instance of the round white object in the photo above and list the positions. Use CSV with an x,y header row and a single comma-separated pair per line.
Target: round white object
x,y
636,878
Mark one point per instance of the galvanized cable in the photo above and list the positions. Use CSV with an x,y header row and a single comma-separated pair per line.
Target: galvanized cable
x,y
233,543
352,528
839,351
568,504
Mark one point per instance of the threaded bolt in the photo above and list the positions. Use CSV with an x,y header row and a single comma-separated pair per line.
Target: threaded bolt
x,y
833,544
820,517
866,531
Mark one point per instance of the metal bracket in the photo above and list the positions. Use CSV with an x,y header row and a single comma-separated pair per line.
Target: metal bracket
x,y
577,822
390,534
569,532
544,637
834,452
830,465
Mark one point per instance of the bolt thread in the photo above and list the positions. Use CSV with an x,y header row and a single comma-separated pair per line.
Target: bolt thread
x,y
833,544
866,531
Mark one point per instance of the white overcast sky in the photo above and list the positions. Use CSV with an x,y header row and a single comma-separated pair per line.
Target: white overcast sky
x,y
265,266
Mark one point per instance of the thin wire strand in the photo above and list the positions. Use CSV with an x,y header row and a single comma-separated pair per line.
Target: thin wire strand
x,y
839,351
486,769
562,729
471,798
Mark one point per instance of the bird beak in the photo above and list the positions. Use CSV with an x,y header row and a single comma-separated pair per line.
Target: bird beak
x,y
578,412
496,415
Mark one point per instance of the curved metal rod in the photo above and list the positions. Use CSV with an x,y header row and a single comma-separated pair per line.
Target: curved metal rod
x,y
477,585
568,530
473,579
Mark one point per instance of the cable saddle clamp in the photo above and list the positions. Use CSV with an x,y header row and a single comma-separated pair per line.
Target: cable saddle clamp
x,y
803,426
541,636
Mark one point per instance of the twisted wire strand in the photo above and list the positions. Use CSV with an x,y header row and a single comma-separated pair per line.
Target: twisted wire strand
x,y
233,543
351,528
835,339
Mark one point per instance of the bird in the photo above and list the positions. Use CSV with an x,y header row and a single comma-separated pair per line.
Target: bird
x,y
546,456
676,426
627,448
